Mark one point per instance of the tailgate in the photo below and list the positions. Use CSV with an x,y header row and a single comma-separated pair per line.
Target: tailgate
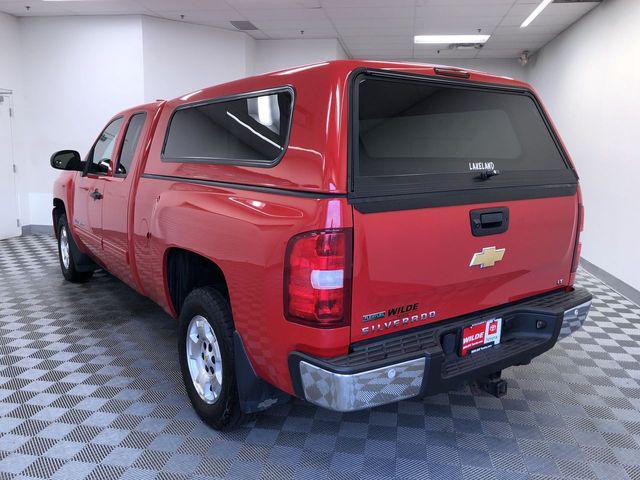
x,y
417,263
463,200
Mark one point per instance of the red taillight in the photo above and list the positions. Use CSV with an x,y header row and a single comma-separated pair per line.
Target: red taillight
x,y
578,246
317,278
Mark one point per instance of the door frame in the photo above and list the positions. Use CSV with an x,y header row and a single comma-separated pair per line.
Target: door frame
x,y
5,92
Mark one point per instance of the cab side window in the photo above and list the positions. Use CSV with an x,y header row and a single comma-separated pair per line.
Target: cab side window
x,y
102,151
131,137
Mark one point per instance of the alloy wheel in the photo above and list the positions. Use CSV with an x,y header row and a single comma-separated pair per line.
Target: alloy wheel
x,y
204,359
64,248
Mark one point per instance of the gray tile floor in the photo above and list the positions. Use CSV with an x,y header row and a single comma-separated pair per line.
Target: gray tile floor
x,y
90,388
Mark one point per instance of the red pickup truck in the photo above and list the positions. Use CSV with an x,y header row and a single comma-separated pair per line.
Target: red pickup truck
x,y
352,233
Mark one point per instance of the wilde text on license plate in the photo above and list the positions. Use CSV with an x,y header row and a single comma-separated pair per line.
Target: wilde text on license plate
x,y
481,335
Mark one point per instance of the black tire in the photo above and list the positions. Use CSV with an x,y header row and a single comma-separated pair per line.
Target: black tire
x,y
224,413
69,271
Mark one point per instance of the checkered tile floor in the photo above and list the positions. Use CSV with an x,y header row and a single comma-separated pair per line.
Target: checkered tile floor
x,y
90,388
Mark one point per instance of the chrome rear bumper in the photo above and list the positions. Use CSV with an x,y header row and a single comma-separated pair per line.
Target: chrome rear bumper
x,y
346,393
574,318
340,390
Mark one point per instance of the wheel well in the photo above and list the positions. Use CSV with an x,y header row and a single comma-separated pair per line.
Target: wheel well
x,y
58,211
187,271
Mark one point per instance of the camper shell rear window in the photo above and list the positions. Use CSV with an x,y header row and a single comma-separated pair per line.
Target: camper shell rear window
x,y
413,135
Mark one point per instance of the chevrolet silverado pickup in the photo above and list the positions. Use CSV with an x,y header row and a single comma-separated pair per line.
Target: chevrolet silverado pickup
x,y
351,233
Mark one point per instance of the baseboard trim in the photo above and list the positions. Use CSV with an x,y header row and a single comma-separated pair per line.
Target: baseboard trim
x,y
37,229
618,285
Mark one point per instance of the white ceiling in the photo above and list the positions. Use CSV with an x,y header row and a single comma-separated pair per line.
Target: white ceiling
x,y
374,29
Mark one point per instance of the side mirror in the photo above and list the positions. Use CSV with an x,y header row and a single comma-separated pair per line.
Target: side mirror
x,y
67,160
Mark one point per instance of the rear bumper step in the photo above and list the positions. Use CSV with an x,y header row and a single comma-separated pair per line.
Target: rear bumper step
x,y
420,362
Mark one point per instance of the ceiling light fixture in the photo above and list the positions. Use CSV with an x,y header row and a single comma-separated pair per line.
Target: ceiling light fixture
x,y
444,39
535,13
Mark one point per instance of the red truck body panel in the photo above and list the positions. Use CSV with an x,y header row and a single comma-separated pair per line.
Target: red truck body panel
x,y
238,225
400,257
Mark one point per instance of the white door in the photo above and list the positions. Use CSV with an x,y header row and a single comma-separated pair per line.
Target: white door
x,y
8,201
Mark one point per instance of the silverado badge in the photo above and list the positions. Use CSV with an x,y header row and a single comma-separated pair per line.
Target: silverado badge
x,y
487,257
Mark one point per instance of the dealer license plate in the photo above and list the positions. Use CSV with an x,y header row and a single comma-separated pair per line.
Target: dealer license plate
x,y
481,335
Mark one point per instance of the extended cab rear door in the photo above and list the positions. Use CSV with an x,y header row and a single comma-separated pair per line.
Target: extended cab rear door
x,y
118,195
463,200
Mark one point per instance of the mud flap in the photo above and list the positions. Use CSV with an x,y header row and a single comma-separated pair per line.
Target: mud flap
x,y
254,393
82,261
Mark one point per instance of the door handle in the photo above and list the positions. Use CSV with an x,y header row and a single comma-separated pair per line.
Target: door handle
x,y
489,221
96,195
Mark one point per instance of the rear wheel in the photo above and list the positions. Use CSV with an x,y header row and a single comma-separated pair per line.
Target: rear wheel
x,y
205,345
65,253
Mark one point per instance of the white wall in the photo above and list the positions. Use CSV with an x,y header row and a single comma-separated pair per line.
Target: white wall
x,y
10,55
589,79
11,79
78,72
181,57
271,55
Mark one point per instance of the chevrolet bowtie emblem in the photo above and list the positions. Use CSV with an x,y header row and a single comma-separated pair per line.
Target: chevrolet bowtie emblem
x,y
487,257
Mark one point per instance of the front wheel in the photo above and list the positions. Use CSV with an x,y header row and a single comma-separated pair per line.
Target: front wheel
x,y
65,254
205,346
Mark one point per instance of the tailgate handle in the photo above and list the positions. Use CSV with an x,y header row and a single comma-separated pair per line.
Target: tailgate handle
x,y
489,221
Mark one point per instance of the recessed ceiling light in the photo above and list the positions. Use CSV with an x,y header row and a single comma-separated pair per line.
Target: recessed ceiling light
x,y
444,39
536,12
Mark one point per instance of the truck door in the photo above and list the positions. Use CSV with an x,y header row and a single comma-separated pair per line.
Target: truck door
x,y
87,202
117,195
